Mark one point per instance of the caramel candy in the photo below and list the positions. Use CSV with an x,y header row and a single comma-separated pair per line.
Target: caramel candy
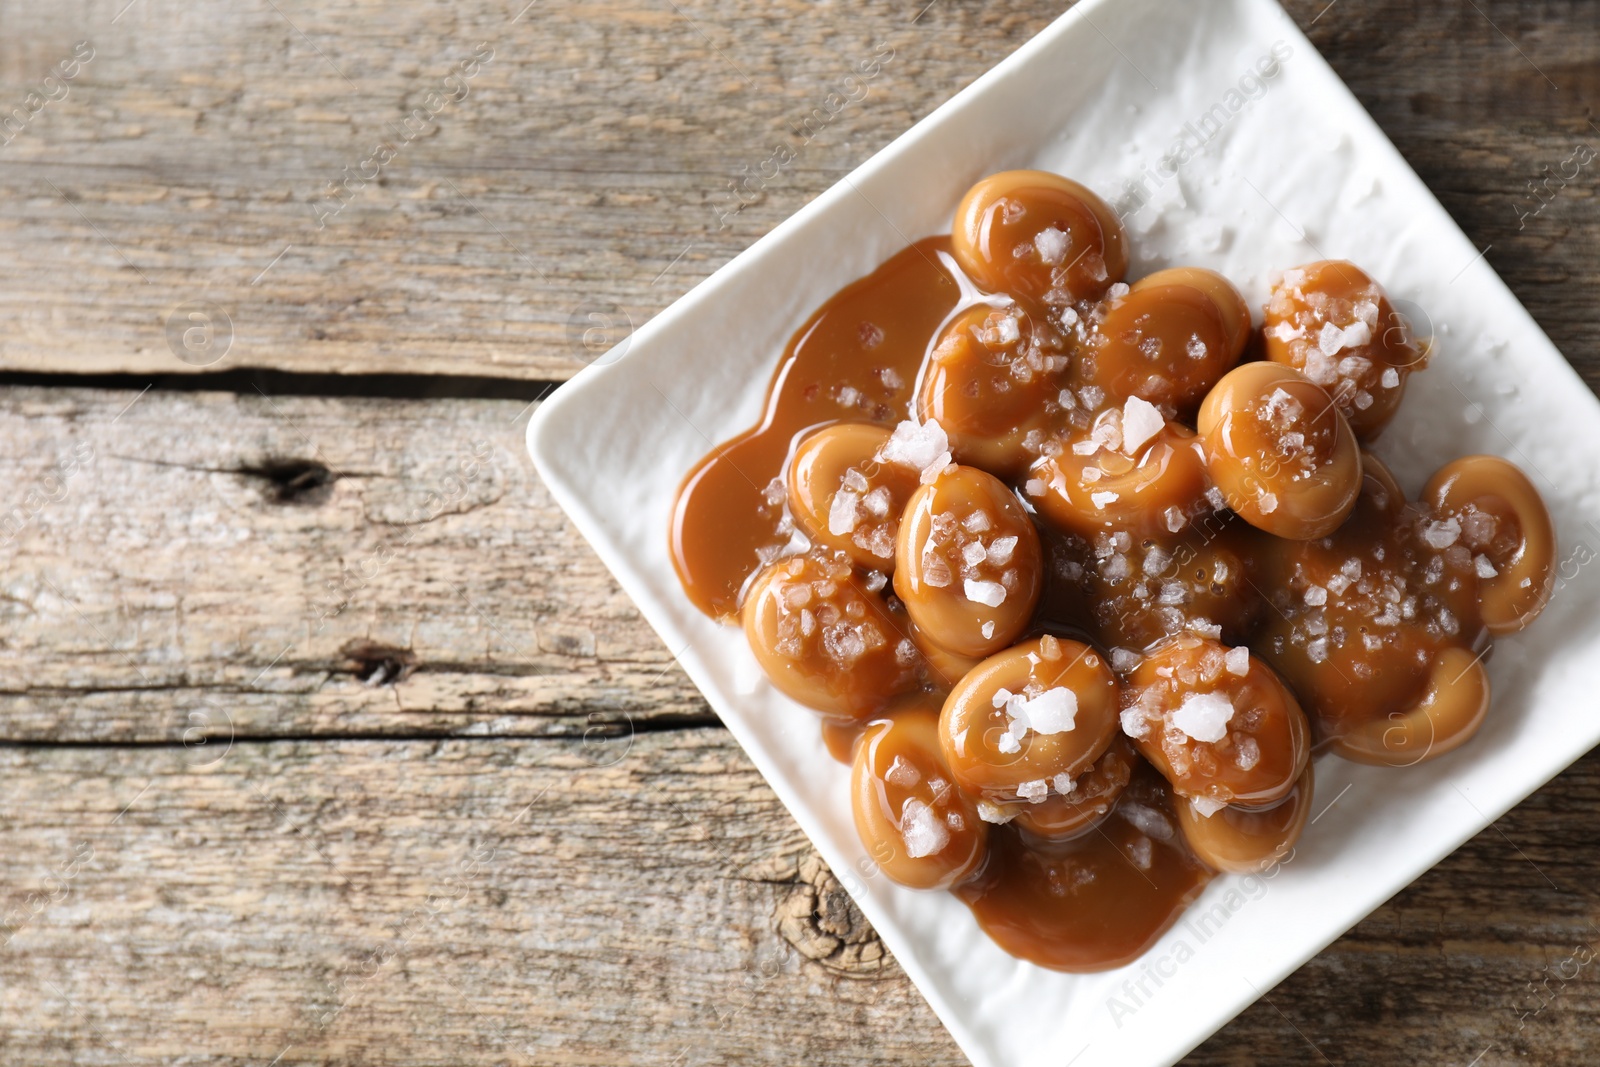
x,y
1216,722
1148,590
1499,516
1090,798
916,825
1332,322
1280,452
967,563
826,640
846,497
1142,477
991,381
1029,720
1169,338
1449,710
1039,235
1246,840
1361,619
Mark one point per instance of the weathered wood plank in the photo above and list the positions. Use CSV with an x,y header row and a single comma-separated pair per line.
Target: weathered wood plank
x,y
495,901
591,152
587,168
186,560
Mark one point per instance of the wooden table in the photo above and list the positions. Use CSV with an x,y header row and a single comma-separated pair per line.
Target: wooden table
x,y
326,739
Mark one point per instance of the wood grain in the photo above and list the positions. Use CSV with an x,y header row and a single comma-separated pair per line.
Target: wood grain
x,y
507,901
190,564
585,170
475,814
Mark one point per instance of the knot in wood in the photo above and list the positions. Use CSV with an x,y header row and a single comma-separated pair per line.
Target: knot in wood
x,y
820,920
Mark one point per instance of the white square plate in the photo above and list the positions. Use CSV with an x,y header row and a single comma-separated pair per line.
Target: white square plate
x,y
1291,169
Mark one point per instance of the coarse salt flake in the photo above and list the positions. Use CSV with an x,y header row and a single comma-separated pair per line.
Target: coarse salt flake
x,y
902,773
993,813
1442,534
931,472
1204,716
1035,791
1146,820
1141,421
1134,724
924,832
915,445
1237,660
1053,711
1205,807
1124,660
989,594
842,512
1052,245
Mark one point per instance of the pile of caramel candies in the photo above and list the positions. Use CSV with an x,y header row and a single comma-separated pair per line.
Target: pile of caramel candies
x,y
1123,524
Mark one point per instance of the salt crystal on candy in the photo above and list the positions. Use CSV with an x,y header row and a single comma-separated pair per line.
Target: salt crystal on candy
x,y
1140,422
1204,716
1134,724
842,513
1442,534
902,773
924,833
915,445
1205,807
1035,791
990,813
989,594
1052,245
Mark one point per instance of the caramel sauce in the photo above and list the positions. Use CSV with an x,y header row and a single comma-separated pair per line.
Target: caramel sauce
x,y
856,358
1097,901
839,737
